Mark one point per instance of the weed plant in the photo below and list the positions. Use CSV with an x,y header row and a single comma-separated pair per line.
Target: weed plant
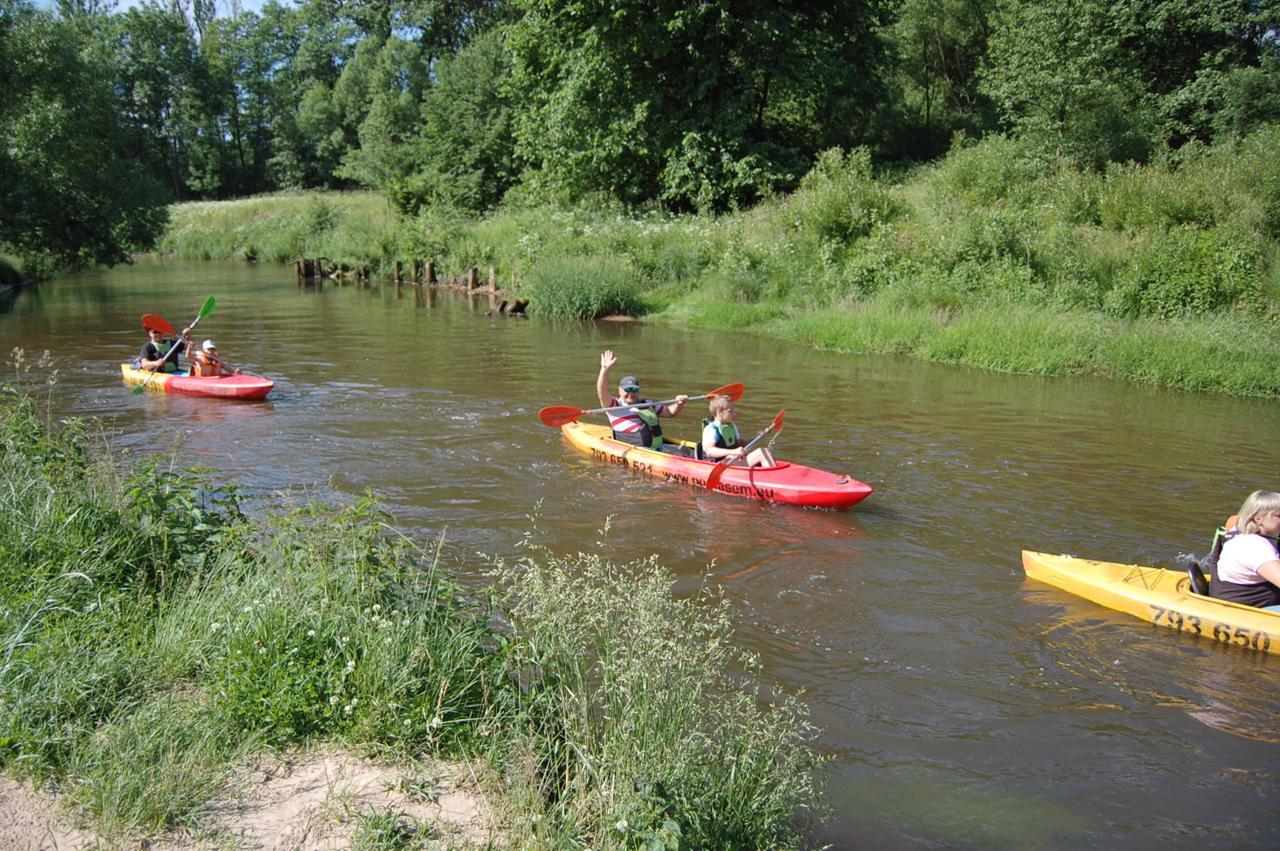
x,y
152,638
638,737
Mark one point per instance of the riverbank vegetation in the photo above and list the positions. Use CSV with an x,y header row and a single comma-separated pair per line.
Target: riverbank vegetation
x,y
155,636
1054,186
994,256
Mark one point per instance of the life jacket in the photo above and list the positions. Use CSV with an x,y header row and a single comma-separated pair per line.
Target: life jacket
x,y
1257,594
727,434
649,432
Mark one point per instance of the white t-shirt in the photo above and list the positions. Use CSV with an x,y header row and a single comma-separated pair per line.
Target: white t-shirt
x,y
1242,556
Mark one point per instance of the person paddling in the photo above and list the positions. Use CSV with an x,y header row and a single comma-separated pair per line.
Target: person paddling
x,y
721,438
159,354
638,426
206,363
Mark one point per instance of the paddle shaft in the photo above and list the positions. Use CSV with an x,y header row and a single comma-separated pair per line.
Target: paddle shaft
x,y
717,471
558,415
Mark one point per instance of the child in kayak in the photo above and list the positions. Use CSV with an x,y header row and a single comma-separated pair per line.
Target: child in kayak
x,y
638,426
721,438
1248,567
205,362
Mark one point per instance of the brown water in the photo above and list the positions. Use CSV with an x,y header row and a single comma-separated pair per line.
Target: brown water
x,y
962,705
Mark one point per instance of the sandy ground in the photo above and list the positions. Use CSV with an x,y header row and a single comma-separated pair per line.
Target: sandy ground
x,y
308,801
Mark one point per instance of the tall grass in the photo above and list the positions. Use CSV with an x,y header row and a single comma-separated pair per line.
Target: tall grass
x,y
152,637
642,738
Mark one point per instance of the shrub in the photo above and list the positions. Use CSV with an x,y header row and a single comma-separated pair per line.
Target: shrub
x,y
839,200
1188,272
581,287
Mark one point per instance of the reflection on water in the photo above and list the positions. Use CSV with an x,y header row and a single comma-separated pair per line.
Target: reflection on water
x,y
961,705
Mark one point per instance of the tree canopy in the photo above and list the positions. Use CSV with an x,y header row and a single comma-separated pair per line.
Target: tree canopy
x,y
692,106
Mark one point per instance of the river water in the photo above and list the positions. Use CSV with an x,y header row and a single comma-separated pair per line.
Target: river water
x,y
962,706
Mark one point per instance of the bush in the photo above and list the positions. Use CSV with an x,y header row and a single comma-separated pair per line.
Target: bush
x,y
839,200
581,287
1189,272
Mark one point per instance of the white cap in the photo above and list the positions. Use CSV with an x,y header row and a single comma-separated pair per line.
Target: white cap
x,y
208,345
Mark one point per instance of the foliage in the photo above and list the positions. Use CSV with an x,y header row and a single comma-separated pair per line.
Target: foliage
x,y
70,188
151,638
581,287
702,106
623,764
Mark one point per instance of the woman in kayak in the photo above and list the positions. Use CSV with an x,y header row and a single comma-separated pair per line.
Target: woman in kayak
x,y
1248,568
721,438
638,426
205,362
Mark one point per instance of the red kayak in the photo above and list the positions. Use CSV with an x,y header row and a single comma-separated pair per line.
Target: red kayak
x,y
793,484
239,386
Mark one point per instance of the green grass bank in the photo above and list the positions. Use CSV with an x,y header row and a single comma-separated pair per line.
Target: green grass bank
x,y
1166,273
156,636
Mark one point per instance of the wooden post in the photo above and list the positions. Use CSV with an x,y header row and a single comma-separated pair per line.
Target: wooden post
x,y
473,278
431,273
493,279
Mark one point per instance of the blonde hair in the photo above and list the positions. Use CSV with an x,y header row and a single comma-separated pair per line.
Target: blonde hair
x,y
719,403
1258,504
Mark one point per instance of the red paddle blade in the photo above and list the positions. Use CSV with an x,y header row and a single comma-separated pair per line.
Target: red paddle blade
x,y
733,391
777,421
154,323
558,415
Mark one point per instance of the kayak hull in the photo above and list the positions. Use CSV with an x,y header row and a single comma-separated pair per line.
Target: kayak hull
x,y
791,484
1157,595
241,386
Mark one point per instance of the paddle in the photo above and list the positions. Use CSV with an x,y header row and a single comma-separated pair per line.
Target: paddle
x,y
558,415
718,470
154,323
205,310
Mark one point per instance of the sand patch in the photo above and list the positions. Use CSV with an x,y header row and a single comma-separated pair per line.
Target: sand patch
x,y
318,800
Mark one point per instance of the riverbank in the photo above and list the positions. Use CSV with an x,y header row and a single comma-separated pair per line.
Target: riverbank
x,y
161,636
1165,274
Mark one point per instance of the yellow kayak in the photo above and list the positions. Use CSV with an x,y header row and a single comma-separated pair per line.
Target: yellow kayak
x,y
1161,596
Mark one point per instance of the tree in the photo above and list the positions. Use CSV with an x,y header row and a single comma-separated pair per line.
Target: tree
x,y
1058,73
71,187
704,104
463,156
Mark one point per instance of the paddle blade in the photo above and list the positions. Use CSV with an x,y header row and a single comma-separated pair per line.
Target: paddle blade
x,y
558,415
206,308
733,391
716,472
154,323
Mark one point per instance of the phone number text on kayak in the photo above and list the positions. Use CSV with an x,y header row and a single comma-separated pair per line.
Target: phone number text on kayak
x,y
684,478
1254,639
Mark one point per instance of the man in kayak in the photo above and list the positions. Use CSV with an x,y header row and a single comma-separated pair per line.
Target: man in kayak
x,y
1248,567
638,426
205,362
160,355
721,438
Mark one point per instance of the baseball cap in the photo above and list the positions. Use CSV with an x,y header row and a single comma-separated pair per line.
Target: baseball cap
x,y
629,382
208,345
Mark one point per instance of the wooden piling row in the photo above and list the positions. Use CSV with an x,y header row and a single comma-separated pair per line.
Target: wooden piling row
x,y
312,271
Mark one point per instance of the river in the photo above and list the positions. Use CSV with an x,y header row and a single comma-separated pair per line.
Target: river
x,y
962,706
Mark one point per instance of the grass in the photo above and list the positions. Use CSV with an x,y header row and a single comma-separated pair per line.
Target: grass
x,y
153,638
925,264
